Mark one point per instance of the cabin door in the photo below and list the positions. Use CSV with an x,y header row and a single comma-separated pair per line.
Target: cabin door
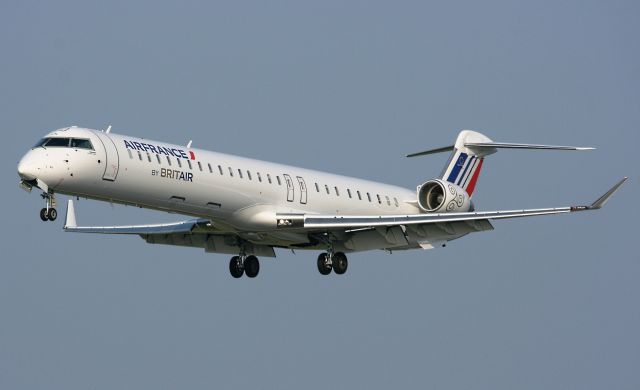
x,y
112,161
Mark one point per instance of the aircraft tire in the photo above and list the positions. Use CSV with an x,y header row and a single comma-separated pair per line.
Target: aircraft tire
x,y
43,215
251,266
52,215
235,267
324,267
340,263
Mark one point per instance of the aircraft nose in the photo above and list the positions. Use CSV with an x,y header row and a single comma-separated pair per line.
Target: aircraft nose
x,y
27,168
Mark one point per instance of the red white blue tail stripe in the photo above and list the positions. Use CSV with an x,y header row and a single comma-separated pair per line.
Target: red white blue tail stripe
x,y
464,170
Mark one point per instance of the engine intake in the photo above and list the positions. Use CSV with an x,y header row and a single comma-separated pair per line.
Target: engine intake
x,y
444,197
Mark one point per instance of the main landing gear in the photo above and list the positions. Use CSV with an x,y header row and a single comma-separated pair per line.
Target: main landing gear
x,y
336,261
240,265
49,212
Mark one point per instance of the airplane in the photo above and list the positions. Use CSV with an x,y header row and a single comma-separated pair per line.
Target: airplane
x,y
247,208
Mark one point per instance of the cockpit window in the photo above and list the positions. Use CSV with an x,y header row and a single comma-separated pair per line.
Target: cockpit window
x,y
81,144
41,143
58,142
77,143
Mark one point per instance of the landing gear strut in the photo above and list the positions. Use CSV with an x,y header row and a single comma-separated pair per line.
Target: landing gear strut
x,y
239,265
49,212
336,261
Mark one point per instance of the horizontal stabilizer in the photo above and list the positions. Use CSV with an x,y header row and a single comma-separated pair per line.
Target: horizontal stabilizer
x,y
504,145
432,151
483,146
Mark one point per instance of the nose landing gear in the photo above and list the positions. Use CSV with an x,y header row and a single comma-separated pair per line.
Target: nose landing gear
x,y
49,212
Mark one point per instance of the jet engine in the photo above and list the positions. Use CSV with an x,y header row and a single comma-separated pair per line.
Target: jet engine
x,y
443,197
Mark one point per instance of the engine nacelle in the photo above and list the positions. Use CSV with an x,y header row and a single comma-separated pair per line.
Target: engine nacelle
x,y
443,197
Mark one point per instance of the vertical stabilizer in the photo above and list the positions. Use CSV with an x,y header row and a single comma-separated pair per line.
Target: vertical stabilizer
x,y
465,163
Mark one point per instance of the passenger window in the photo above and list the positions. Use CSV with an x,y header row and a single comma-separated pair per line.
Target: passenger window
x,y
168,161
230,171
326,188
388,201
81,144
395,200
349,193
139,155
269,178
248,174
240,172
379,200
369,196
259,177
278,179
179,162
189,163
149,157
200,166
210,169
130,154
337,193
58,142
359,196
317,187
220,169
158,158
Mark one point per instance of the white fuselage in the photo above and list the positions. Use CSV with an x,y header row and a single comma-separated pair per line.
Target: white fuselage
x,y
236,192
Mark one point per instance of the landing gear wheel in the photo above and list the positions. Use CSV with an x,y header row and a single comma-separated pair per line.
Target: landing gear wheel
x,y
52,214
43,215
251,266
324,265
340,263
235,267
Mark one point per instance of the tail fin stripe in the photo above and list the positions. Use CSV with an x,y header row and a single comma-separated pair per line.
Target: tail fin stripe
x,y
472,174
472,171
474,179
467,169
456,168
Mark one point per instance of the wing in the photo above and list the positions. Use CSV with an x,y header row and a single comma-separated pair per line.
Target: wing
x,y
329,222
160,228
197,232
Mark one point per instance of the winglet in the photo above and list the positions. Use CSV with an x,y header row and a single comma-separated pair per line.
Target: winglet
x,y
70,221
604,198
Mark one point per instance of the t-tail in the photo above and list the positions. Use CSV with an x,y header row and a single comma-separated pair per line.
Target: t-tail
x,y
468,154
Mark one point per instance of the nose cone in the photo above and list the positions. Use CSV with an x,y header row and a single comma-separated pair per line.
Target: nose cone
x,y
27,168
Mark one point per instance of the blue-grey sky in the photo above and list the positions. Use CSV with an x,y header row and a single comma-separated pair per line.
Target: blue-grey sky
x,y
348,87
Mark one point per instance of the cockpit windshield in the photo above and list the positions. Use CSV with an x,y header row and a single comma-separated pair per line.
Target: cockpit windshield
x,y
58,142
40,143
81,143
